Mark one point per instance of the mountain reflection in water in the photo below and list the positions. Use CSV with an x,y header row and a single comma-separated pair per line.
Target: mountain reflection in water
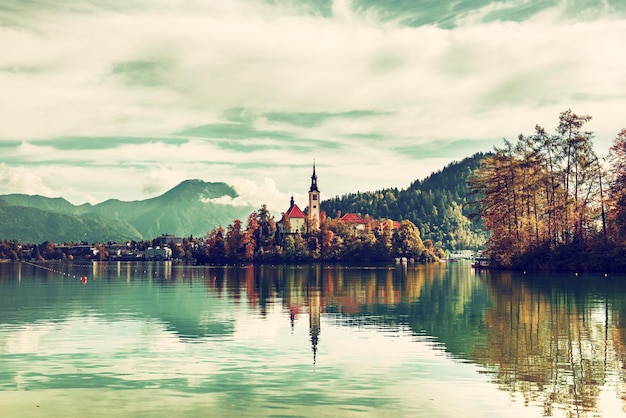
x,y
555,342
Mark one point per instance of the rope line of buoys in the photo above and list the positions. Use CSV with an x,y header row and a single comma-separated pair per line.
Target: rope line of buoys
x,y
101,267
83,279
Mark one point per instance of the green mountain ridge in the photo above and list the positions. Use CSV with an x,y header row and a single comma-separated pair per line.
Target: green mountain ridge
x,y
50,204
34,225
184,210
437,205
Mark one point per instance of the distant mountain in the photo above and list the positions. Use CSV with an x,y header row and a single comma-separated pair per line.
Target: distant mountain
x,y
34,225
50,204
437,205
187,209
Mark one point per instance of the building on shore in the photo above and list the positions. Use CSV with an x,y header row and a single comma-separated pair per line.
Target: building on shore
x,y
158,253
294,220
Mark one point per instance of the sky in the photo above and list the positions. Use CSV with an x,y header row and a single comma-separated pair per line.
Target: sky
x,y
125,99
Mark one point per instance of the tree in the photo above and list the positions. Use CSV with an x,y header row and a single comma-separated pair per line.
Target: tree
x,y
249,239
326,245
542,192
579,172
384,247
295,247
215,245
266,230
407,241
234,239
617,186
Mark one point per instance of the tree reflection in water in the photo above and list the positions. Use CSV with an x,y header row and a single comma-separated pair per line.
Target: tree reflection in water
x,y
556,341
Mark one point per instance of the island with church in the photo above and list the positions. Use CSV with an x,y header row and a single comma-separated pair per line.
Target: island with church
x,y
310,235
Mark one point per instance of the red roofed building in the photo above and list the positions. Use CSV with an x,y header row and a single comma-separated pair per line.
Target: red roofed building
x,y
358,224
384,225
294,217
295,220
354,220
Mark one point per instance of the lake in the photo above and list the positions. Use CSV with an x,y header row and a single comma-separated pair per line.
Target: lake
x,y
160,339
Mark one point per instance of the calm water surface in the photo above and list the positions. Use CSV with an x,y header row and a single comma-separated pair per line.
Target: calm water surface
x,y
156,339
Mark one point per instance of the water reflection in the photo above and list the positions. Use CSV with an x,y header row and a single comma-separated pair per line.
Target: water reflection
x,y
558,342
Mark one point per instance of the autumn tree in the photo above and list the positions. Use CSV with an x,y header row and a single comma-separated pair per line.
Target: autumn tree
x,y
407,241
234,239
617,186
580,173
248,242
541,192
215,245
266,230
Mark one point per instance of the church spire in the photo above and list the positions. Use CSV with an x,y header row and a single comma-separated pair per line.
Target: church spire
x,y
314,180
314,202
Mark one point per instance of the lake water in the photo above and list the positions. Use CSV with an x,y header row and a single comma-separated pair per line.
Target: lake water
x,y
156,339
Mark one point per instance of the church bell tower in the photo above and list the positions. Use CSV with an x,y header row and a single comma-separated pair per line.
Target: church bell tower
x,y
314,202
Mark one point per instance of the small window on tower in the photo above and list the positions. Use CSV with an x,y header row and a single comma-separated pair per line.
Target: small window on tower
x,y
314,197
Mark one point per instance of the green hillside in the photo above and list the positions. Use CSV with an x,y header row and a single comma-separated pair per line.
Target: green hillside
x,y
436,205
34,225
185,210
50,204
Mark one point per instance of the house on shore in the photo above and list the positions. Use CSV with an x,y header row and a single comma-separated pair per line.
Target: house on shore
x,y
158,253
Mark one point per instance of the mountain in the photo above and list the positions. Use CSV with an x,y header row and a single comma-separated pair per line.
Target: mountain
x,y
187,209
34,225
437,205
50,204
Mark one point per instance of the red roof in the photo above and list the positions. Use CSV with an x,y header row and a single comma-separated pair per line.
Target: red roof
x,y
294,212
383,225
352,219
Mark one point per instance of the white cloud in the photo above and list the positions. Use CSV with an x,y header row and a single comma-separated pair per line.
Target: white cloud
x,y
149,69
22,180
265,192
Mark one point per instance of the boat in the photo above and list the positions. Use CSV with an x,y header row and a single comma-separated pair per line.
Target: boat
x,y
481,263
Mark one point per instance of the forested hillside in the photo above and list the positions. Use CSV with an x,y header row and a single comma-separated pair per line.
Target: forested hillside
x,y
436,205
33,225
187,209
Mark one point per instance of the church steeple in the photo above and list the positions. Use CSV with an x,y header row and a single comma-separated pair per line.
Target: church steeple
x,y
314,202
313,180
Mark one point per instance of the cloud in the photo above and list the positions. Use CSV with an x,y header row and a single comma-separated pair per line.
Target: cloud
x,y
254,194
16,180
145,93
149,72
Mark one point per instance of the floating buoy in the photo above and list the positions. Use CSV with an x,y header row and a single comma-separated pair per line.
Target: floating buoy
x,y
84,279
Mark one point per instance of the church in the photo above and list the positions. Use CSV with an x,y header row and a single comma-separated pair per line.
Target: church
x,y
296,219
